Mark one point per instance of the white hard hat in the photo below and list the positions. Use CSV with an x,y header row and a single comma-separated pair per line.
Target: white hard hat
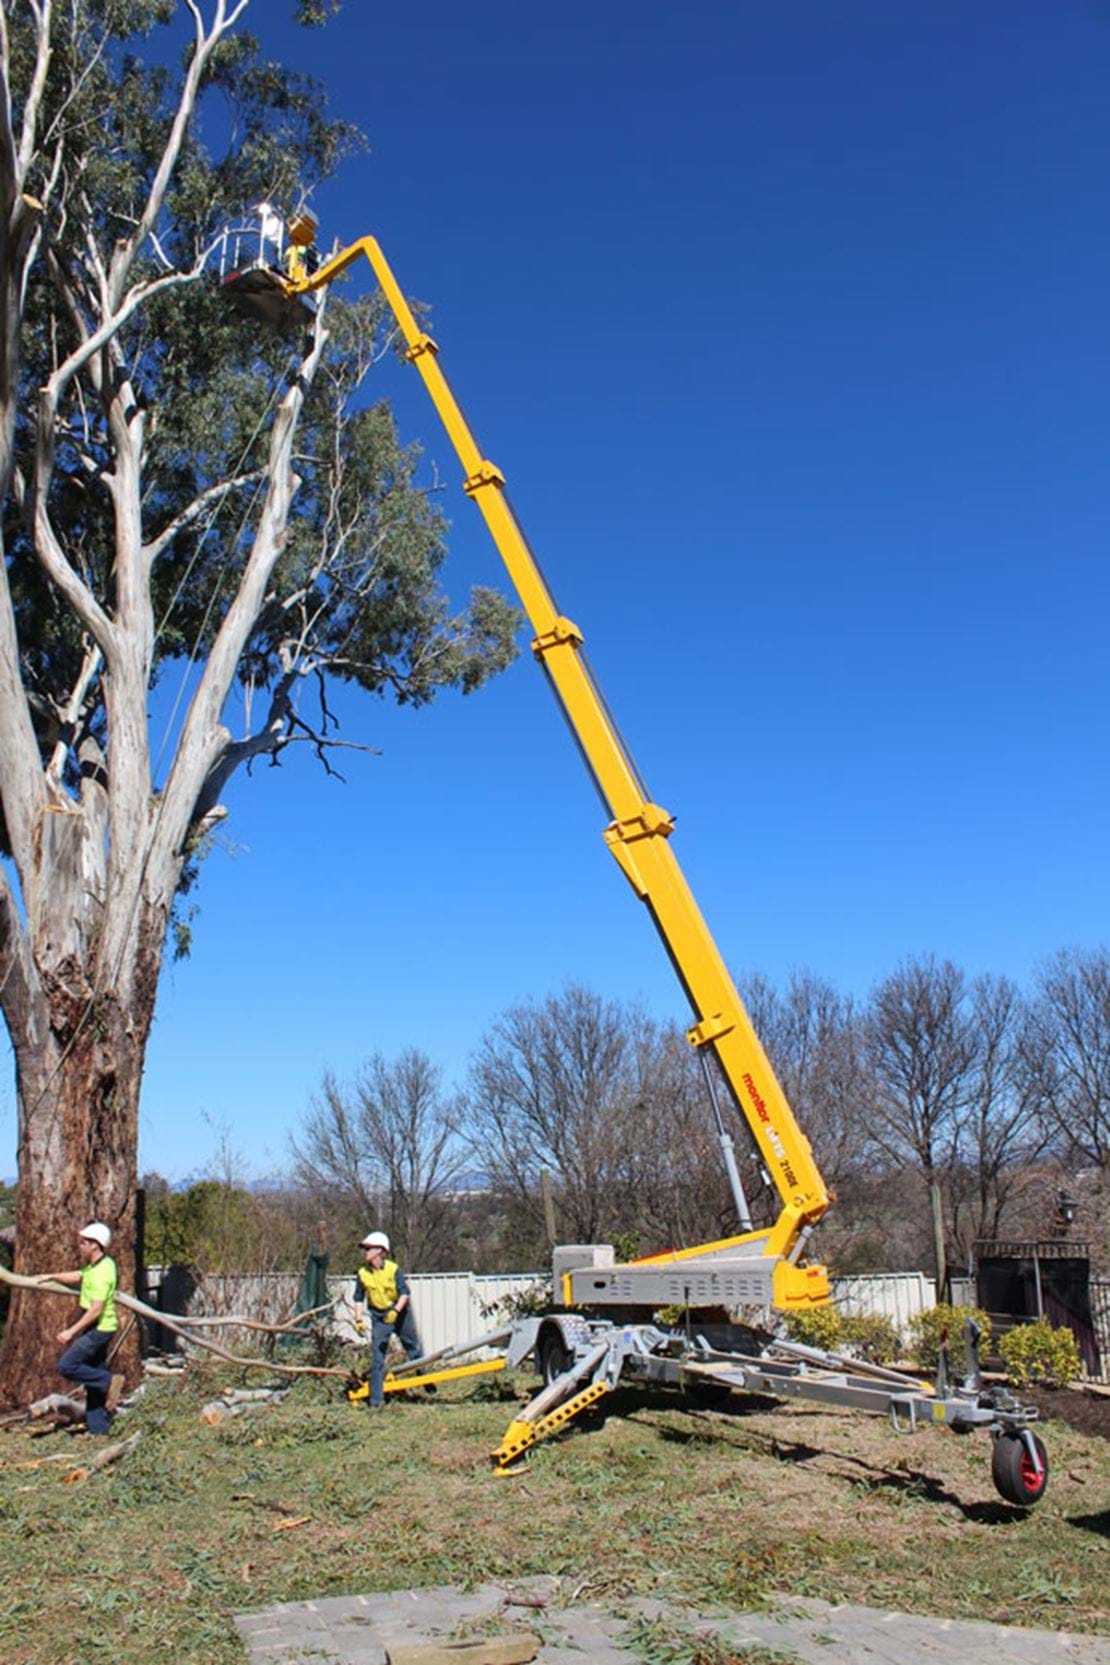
x,y
97,1232
375,1240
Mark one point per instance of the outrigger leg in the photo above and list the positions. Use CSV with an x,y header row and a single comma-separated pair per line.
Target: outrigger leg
x,y
588,1379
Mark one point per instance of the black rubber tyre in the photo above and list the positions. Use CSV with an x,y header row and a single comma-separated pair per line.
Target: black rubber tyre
x,y
1014,1473
553,1356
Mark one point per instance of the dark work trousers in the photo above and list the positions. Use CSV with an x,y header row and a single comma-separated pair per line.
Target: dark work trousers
x,y
380,1335
83,1362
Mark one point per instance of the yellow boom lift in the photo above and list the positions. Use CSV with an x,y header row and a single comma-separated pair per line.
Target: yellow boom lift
x,y
604,1334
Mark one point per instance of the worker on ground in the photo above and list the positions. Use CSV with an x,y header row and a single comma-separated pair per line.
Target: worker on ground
x,y
87,1340
381,1286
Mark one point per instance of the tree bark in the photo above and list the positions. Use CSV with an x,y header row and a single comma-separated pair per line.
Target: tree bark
x,y
936,1207
79,1061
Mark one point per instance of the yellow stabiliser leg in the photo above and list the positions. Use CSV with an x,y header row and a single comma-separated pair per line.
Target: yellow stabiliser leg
x,y
398,1384
520,1436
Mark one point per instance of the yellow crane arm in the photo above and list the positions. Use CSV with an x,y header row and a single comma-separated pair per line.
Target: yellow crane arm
x,y
639,832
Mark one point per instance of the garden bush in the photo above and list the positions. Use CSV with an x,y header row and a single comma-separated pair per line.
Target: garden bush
x,y
1038,1353
927,1328
816,1327
871,1336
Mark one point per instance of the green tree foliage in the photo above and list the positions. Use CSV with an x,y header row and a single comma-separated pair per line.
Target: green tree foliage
x,y
218,1228
820,1327
355,592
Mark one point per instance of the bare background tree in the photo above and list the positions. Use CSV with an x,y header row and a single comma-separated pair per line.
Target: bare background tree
x,y
675,1189
613,1107
1000,1130
390,1145
921,1046
552,1086
812,1038
1070,1049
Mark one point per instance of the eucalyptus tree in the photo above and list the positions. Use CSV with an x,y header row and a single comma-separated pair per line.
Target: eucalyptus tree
x,y
179,490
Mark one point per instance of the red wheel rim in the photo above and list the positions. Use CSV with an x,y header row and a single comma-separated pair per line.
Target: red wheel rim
x,y
1031,1480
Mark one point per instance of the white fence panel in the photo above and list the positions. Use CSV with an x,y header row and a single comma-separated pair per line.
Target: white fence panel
x,y
899,1296
443,1303
453,1307
449,1307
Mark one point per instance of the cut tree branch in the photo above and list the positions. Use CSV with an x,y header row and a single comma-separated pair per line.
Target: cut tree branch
x,y
180,1326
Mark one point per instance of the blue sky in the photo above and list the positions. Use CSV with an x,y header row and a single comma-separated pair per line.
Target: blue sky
x,y
788,325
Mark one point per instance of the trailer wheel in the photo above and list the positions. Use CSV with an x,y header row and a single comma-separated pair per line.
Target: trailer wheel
x,y
554,1351
1013,1470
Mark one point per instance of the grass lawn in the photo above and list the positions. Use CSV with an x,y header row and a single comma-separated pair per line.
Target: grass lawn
x,y
146,1560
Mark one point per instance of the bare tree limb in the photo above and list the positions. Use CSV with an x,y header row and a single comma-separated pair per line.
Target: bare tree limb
x,y
203,737
70,714
109,1454
158,545
48,547
203,49
29,131
8,164
118,315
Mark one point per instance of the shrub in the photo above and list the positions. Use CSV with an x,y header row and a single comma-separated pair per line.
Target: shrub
x,y
1038,1353
816,1327
927,1328
871,1336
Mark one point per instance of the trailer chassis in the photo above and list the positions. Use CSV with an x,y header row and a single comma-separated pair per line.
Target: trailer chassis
x,y
583,1359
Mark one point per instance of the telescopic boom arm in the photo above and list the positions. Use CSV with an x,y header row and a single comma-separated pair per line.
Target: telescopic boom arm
x,y
639,832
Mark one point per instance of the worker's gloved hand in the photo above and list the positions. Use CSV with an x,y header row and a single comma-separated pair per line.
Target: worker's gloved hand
x,y
391,1316
360,1326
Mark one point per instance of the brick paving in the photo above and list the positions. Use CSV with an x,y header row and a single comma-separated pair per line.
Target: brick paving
x,y
357,1630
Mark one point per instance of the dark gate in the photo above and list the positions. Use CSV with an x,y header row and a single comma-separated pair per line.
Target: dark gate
x,y
1039,1278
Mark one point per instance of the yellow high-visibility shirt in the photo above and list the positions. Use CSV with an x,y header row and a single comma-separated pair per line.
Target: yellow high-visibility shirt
x,y
383,1286
98,1283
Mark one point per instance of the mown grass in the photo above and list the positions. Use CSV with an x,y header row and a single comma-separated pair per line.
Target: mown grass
x,y
149,1558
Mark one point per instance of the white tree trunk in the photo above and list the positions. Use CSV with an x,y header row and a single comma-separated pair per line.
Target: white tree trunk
x,y
98,866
